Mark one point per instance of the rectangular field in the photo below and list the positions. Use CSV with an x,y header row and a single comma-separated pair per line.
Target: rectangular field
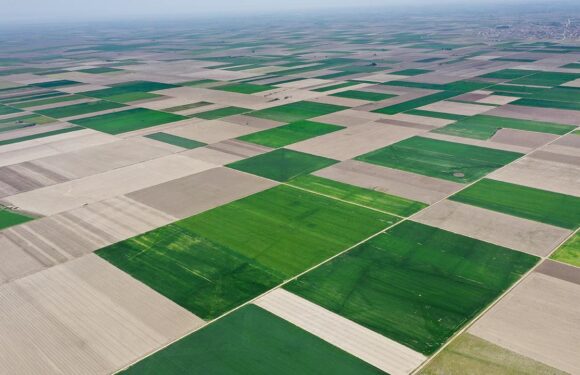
x,y
484,127
415,284
363,95
282,164
291,133
442,159
297,111
364,197
79,109
534,204
214,261
252,341
569,252
126,121
9,218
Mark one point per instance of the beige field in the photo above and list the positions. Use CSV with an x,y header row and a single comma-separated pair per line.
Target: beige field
x,y
200,192
51,200
392,181
211,131
49,241
379,351
522,138
84,317
539,319
353,141
465,109
490,226
542,174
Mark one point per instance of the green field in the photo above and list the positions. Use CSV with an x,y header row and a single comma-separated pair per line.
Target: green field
x,y
129,91
528,102
411,72
51,100
363,95
415,284
361,196
540,205
282,164
186,107
546,79
287,134
19,122
484,127
221,112
415,103
441,159
126,121
336,86
9,218
252,341
79,109
569,252
214,261
509,74
446,116
4,110
53,84
297,111
100,70
39,135
243,88
175,140
469,354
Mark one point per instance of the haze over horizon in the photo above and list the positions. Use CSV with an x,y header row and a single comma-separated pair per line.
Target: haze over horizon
x,y
23,11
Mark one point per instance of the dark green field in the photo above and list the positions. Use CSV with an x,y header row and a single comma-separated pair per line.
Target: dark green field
x,y
214,261
50,100
79,109
334,87
4,110
126,121
129,91
243,88
39,135
175,140
291,133
415,284
441,159
59,83
10,218
420,102
484,127
252,341
186,107
364,197
282,164
363,95
540,205
575,106
221,112
297,111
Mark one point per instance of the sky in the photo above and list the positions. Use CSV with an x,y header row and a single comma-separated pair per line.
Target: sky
x,y
16,11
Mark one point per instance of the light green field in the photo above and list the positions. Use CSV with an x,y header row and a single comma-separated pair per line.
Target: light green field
x,y
287,134
540,205
126,121
415,284
364,197
469,354
282,164
252,341
569,252
441,159
51,100
217,260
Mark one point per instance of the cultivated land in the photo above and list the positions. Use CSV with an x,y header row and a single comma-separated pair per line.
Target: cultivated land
x,y
447,160
414,284
371,192
214,261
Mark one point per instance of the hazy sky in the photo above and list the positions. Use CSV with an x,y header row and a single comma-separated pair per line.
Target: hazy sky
x,y
81,10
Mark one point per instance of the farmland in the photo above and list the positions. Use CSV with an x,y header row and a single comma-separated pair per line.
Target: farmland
x,y
380,190
416,308
447,160
260,241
